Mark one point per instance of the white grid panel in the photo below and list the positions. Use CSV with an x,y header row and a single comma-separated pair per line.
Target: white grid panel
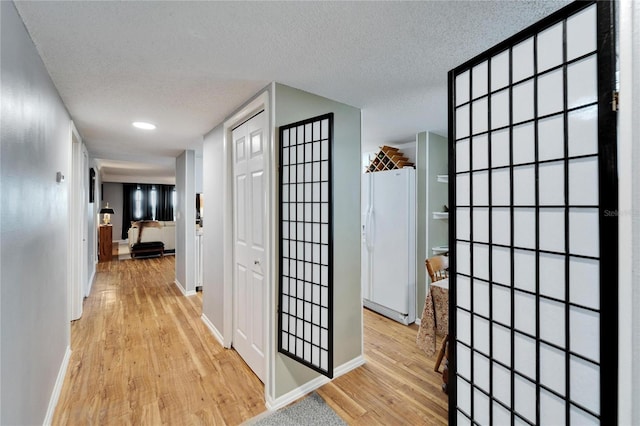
x,y
305,332
527,230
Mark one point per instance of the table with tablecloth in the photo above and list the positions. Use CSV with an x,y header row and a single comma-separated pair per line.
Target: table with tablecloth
x,y
435,316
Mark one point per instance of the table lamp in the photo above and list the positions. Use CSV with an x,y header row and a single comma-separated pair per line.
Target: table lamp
x,y
107,212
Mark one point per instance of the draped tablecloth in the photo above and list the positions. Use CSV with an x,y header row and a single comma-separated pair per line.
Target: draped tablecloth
x,y
435,316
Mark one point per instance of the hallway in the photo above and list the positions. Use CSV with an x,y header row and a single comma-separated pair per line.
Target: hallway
x,y
142,356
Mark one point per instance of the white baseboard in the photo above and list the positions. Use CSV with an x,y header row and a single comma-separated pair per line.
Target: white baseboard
x,y
417,321
182,290
349,366
57,387
212,328
310,386
93,276
295,394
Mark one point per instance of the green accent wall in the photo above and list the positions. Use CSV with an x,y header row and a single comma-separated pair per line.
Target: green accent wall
x,y
431,161
292,105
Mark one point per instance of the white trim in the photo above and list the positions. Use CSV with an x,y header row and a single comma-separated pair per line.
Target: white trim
x,y
361,317
180,287
349,366
57,387
628,131
310,386
182,290
272,297
77,219
212,328
227,239
84,226
258,103
297,393
91,279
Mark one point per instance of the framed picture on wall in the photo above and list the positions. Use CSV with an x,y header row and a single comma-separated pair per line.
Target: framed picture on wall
x,y
92,184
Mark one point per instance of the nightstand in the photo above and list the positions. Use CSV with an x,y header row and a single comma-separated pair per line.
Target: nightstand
x,y
105,243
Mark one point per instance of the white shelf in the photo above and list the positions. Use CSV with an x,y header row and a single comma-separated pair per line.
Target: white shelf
x,y
440,249
443,178
441,215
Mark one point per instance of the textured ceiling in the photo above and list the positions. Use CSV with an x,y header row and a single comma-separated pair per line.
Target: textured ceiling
x,y
186,65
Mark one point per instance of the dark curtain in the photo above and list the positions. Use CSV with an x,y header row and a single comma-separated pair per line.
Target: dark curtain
x,y
128,203
137,205
145,211
198,218
165,204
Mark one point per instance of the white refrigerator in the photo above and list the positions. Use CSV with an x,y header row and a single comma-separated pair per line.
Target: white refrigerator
x,y
389,243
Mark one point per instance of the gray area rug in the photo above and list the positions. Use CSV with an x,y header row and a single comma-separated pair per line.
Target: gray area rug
x,y
312,410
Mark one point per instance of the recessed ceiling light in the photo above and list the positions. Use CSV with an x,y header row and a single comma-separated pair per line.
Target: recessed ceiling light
x,y
143,125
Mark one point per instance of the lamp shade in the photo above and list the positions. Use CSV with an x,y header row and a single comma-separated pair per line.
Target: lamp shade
x,y
108,210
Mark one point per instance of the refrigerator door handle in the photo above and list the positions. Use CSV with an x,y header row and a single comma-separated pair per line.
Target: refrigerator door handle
x,y
368,231
365,230
369,235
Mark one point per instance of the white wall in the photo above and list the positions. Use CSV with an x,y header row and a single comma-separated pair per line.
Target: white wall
x,y
408,149
34,227
186,222
199,163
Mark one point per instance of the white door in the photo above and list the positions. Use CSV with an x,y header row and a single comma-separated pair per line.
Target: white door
x,y
249,238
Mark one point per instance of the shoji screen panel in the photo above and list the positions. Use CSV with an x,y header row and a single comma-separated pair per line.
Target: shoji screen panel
x,y
305,331
534,229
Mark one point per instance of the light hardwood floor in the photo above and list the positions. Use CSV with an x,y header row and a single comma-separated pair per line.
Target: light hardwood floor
x,y
142,356
396,386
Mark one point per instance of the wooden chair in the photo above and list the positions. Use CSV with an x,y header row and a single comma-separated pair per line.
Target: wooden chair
x,y
438,269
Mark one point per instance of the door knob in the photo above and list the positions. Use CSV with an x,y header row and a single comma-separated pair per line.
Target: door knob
x,y
256,262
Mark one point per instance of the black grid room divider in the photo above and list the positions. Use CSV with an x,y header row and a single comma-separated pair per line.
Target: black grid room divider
x,y
305,318
533,228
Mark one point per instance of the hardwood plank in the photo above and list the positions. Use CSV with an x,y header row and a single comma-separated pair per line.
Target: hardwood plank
x,y
142,356
397,385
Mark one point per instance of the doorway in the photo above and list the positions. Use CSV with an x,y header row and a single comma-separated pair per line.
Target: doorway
x,y
78,226
249,241
260,103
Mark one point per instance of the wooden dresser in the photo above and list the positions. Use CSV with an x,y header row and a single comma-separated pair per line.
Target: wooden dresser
x,y
105,240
